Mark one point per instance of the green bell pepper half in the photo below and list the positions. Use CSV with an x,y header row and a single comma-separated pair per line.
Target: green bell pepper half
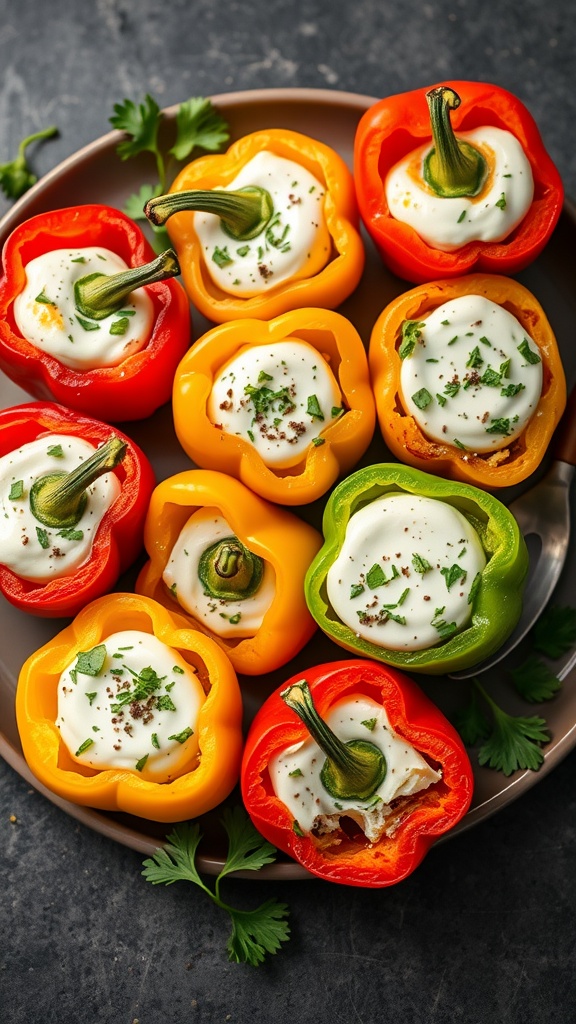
x,y
497,603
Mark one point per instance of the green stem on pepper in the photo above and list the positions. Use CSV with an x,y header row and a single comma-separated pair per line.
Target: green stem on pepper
x,y
100,295
352,770
59,499
453,167
244,213
228,571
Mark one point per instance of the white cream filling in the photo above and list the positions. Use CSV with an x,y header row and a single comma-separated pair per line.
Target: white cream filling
x,y
279,397
33,551
46,314
295,773
473,377
139,711
280,251
404,575
449,223
225,618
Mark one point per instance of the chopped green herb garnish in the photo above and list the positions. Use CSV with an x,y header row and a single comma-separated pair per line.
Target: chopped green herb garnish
x,y
243,250
55,451
92,696
370,723
317,441
119,327
313,408
16,490
222,257
420,563
155,741
83,747
141,763
452,388
461,217
422,398
527,353
441,400
43,538
91,663
511,390
475,359
181,737
459,444
178,670
453,575
502,201
296,773
43,298
411,333
69,533
499,426
491,378
356,589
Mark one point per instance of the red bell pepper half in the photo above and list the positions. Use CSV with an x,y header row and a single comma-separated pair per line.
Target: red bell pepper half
x,y
426,815
396,126
140,384
119,538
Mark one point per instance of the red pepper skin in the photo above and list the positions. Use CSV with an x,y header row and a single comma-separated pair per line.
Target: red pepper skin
x,y
414,717
397,125
139,385
119,539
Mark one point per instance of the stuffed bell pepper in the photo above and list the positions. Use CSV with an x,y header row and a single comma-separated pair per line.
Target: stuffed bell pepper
x,y
232,564
455,178
468,379
354,772
269,226
416,571
89,317
285,405
128,709
74,494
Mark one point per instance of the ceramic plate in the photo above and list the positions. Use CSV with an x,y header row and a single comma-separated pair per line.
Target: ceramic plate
x,y
96,174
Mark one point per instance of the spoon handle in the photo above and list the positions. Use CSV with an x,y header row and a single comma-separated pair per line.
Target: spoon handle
x,y
564,444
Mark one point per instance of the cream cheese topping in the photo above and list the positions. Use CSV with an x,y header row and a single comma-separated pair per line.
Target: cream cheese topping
x,y
280,252
405,576
132,703
473,377
46,314
226,618
295,773
447,223
279,397
30,549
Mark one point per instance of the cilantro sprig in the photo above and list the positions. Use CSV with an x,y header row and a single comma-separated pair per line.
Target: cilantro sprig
x,y
198,126
16,176
254,932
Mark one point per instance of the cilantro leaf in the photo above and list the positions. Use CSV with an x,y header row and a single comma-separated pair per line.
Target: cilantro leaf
x,y
140,123
134,205
198,124
254,932
514,742
247,850
534,680
257,932
555,632
16,177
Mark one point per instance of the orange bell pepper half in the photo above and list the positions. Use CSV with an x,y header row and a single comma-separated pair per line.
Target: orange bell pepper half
x,y
503,467
334,273
273,534
343,440
205,784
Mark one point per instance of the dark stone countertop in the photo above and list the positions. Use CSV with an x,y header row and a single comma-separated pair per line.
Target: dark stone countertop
x,y
484,931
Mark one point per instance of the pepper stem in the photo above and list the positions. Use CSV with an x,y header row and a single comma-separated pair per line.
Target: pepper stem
x,y
228,571
59,499
352,770
244,213
452,168
100,295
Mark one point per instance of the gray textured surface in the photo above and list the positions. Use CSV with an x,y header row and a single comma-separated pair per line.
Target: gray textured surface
x,y
484,931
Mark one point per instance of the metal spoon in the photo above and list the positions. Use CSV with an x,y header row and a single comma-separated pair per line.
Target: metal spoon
x,y
543,515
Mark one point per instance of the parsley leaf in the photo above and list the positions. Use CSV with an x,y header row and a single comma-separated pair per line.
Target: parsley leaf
x,y
555,632
134,205
16,176
534,680
471,722
254,932
514,741
140,124
199,125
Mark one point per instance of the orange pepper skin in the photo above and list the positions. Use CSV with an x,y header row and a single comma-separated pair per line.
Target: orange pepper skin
x,y
412,716
219,722
345,439
275,534
330,286
396,126
401,432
